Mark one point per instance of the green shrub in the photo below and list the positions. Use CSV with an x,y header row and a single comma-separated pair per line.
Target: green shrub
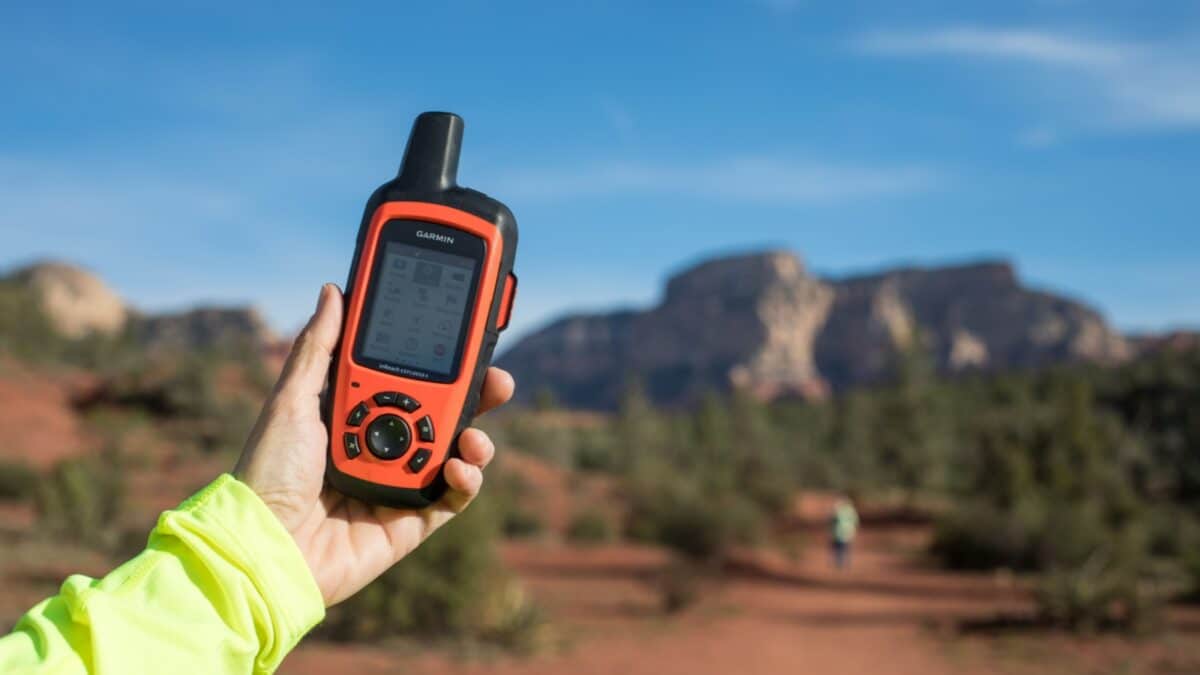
x,y
593,450
680,585
18,481
978,537
83,500
512,502
519,522
1117,587
667,508
451,587
25,331
589,527
27,334
183,390
436,591
513,621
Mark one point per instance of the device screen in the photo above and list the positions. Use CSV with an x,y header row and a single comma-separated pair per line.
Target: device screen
x,y
419,310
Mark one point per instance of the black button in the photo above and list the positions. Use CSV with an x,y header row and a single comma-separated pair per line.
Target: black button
x,y
357,415
408,403
425,429
352,449
388,437
419,459
395,398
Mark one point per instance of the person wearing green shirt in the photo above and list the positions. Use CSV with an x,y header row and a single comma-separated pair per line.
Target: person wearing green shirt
x,y
843,526
233,578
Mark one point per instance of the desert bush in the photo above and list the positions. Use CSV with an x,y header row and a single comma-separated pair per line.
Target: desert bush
x,y
436,591
520,522
451,587
980,537
513,504
680,585
83,500
590,527
25,332
28,335
534,434
513,621
687,517
18,480
593,450
1117,586
205,399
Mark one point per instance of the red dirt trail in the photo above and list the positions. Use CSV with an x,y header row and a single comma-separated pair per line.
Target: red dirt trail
x,y
889,614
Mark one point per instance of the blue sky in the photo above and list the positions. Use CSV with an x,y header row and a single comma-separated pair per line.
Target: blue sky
x,y
199,153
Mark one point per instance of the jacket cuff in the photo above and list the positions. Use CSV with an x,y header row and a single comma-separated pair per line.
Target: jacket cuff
x,y
238,522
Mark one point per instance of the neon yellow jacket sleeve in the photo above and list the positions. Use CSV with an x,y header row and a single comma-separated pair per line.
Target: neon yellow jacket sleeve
x,y
221,588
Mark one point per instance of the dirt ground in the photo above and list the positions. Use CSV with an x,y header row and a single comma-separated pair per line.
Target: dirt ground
x,y
888,614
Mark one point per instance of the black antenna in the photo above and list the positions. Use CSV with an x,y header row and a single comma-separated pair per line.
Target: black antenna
x,y
431,158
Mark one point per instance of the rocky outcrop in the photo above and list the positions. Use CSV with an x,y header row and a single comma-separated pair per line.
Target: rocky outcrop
x,y
79,304
975,316
1171,341
762,324
75,301
202,329
747,322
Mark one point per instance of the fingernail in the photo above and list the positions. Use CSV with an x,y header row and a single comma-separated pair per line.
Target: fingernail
x,y
321,296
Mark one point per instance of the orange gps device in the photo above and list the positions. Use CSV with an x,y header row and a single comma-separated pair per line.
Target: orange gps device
x,y
430,288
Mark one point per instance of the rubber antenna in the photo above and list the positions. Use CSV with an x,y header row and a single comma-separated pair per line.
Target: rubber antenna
x,y
431,158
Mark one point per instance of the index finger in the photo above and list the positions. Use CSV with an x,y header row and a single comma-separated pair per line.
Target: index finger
x,y
498,387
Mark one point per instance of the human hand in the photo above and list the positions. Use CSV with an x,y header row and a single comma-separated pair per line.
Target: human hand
x,y
346,543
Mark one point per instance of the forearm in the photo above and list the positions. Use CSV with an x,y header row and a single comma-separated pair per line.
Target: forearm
x,y
220,588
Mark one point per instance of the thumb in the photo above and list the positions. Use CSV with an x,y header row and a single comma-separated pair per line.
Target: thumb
x,y
307,365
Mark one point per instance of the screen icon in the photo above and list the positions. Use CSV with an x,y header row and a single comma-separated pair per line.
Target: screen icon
x,y
428,274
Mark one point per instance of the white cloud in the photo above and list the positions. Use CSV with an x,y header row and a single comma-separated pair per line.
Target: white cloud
x,y
755,180
1120,84
1031,46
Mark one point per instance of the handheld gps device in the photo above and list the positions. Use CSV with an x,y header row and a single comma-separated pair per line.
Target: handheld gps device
x,y
430,288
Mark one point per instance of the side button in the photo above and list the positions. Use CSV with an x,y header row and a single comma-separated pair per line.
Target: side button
x,y
352,449
425,429
507,296
357,415
419,460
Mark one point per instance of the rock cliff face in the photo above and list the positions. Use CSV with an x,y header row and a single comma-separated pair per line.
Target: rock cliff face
x,y
761,323
76,302
969,317
747,321
203,328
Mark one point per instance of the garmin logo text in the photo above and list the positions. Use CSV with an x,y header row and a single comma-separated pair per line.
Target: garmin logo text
x,y
440,238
